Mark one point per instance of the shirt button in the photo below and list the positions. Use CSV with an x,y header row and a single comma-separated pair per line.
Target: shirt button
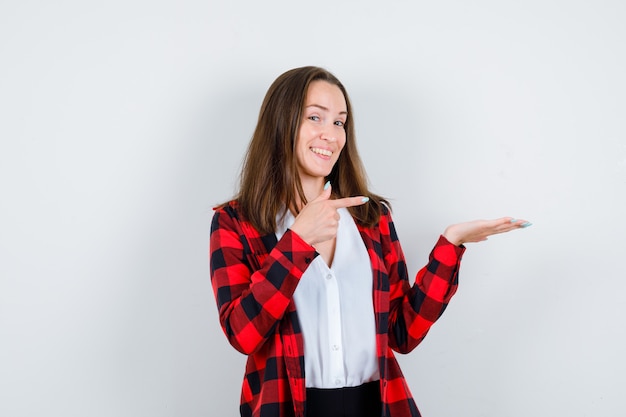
x,y
337,381
329,276
335,347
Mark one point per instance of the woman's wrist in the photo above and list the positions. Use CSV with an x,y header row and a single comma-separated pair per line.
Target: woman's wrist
x,y
453,237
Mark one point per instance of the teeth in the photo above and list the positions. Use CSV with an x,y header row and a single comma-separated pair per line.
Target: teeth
x,y
322,151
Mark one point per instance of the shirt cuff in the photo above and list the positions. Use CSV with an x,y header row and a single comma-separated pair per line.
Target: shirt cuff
x,y
448,253
299,252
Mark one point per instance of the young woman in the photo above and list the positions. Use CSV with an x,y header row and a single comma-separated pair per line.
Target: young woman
x,y
308,273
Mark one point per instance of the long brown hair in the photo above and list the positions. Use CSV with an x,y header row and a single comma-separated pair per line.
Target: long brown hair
x,y
269,181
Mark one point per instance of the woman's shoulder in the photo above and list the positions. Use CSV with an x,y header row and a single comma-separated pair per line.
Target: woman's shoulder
x,y
385,208
227,211
385,211
228,206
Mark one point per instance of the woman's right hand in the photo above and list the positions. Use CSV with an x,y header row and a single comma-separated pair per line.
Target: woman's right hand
x,y
318,220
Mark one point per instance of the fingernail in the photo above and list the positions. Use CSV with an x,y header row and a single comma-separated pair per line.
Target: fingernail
x,y
513,220
527,224
365,199
326,185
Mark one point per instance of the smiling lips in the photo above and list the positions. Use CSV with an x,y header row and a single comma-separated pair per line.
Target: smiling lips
x,y
323,152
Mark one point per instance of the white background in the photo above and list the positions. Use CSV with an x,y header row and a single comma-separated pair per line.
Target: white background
x,y
123,122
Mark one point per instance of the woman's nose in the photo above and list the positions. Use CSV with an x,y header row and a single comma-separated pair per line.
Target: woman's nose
x,y
328,134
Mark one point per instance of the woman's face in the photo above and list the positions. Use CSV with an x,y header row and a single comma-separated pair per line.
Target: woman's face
x,y
322,135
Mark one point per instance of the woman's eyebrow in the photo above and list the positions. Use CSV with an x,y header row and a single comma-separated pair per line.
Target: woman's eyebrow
x,y
319,106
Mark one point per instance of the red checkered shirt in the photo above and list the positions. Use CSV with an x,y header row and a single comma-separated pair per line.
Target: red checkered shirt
x,y
254,277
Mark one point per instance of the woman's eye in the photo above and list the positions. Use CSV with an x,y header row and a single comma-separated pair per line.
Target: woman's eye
x,y
314,118
339,123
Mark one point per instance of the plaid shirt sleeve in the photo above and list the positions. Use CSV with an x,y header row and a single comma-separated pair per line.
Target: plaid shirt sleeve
x,y
252,296
414,309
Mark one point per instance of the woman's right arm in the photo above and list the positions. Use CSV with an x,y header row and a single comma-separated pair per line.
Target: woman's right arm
x,y
252,300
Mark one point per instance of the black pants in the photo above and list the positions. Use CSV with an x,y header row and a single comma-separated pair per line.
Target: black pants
x,y
361,401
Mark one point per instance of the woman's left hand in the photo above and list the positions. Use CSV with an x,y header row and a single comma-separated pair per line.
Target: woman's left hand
x,y
480,230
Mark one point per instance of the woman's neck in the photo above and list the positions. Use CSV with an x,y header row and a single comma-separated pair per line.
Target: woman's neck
x,y
312,188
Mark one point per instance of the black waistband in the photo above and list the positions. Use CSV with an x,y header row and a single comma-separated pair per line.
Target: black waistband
x,y
361,401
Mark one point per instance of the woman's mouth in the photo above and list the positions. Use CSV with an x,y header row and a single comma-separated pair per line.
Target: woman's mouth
x,y
323,152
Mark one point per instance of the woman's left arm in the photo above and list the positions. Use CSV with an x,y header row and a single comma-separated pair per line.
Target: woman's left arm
x,y
414,309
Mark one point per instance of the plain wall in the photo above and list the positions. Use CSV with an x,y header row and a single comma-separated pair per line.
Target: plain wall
x,y
123,122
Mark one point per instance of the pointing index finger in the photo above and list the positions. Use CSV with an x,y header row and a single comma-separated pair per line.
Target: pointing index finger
x,y
349,201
